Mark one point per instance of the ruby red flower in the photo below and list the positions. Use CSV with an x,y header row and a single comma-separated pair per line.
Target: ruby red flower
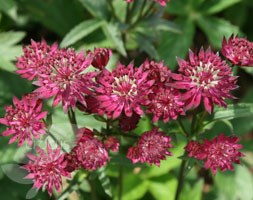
x,y
123,89
128,123
220,152
152,148
237,50
165,103
37,59
46,169
204,77
67,80
90,152
24,120
111,143
100,57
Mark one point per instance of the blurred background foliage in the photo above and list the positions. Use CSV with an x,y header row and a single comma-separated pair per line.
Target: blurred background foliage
x,y
160,33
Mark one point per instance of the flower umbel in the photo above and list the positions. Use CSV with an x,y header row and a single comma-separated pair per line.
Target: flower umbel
x,y
239,51
47,168
204,77
24,120
123,89
152,148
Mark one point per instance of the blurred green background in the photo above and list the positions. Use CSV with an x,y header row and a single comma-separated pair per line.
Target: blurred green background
x,y
166,33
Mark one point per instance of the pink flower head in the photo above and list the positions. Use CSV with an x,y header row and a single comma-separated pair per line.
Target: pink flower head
x,y
67,80
128,123
90,152
165,103
157,71
221,152
152,148
112,143
204,77
239,51
36,60
47,169
123,89
100,57
195,150
24,120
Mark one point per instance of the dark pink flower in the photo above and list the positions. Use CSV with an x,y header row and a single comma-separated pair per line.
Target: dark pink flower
x,y
89,151
111,143
123,89
46,169
152,148
157,71
37,60
161,2
24,120
100,57
204,77
195,150
67,80
221,152
165,103
239,51
128,123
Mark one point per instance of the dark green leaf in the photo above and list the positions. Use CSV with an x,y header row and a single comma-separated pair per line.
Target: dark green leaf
x,y
174,44
105,181
216,29
81,30
215,6
98,8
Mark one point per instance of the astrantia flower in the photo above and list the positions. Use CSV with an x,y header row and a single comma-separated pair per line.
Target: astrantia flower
x,y
90,152
100,57
37,60
205,77
46,169
221,152
111,143
128,123
239,51
156,71
24,120
165,103
152,148
123,89
67,81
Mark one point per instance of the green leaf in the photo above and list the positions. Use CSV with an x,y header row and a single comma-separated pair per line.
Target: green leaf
x,y
98,8
193,192
234,111
216,29
105,181
113,33
215,6
174,44
81,30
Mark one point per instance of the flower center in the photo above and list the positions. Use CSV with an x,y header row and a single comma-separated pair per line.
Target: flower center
x,y
204,76
124,86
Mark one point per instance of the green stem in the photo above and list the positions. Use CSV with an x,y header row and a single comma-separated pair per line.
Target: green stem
x,y
193,124
113,10
200,122
56,140
93,186
180,179
72,120
120,182
181,125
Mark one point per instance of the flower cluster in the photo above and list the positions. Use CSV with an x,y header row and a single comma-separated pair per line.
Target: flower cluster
x,y
220,152
24,120
238,51
152,148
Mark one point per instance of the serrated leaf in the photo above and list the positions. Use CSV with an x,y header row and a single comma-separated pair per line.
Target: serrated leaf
x,y
219,28
98,8
215,6
81,30
174,44
113,33
234,111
